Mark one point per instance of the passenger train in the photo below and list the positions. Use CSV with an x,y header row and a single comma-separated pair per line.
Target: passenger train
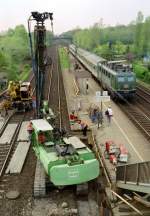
x,y
115,76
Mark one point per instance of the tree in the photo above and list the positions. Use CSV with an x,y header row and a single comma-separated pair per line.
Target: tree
x,y
104,51
14,50
138,34
120,47
146,37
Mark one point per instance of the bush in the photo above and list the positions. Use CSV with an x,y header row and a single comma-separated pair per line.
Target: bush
x,y
140,70
147,77
64,59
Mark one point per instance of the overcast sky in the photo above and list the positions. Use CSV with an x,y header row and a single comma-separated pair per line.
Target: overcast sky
x,y
69,14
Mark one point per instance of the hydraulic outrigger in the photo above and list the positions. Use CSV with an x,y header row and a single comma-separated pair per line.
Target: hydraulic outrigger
x,y
38,53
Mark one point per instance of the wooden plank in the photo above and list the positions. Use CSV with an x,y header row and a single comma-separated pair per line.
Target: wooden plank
x,y
18,159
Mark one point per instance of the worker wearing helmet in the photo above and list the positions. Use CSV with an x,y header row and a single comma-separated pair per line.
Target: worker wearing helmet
x,y
84,127
30,130
41,137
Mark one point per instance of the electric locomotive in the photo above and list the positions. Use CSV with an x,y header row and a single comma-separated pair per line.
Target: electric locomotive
x,y
115,76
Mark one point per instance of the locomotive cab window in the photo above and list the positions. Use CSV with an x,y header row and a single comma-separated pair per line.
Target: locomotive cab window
x,y
120,79
130,79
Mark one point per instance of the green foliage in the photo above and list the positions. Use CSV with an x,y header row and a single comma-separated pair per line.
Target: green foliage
x,y
14,51
104,51
119,48
124,34
64,58
3,60
145,42
131,41
140,70
25,72
147,77
87,38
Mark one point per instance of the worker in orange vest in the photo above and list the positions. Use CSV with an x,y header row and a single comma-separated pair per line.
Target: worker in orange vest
x,y
41,137
84,127
30,130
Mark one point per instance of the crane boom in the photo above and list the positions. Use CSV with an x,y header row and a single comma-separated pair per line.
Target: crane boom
x,y
38,53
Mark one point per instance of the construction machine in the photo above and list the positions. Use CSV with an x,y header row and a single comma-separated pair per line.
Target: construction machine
x,y
38,53
20,95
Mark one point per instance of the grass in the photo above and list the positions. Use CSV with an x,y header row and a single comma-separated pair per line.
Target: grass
x,y
64,58
25,74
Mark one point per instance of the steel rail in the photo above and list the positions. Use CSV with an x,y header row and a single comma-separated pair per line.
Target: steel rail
x,y
6,123
50,81
142,93
3,92
143,89
135,115
59,98
11,146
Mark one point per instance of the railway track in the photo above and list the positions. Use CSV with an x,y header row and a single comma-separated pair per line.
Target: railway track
x,y
139,110
143,93
57,98
138,115
3,93
7,148
55,94
22,182
143,99
57,101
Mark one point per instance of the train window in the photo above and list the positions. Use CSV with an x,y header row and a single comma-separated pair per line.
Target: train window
x,y
130,79
120,79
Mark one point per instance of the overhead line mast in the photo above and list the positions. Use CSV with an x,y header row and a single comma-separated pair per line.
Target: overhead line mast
x,y
38,53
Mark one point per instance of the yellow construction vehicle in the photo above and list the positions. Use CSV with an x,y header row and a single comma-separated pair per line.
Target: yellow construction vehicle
x,y
20,95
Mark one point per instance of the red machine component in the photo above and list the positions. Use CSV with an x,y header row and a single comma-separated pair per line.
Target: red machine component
x,y
108,144
115,153
123,156
110,147
113,159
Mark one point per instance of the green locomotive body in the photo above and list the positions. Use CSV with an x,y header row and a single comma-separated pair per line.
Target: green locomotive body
x,y
115,76
67,161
